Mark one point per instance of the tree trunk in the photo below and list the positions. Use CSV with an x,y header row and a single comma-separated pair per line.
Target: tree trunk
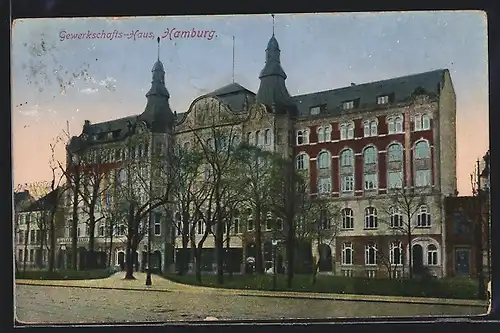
x,y
26,238
111,224
129,267
219,245
197,261
290,254
74,224
92,261
259,260
183,265
410,251
52,237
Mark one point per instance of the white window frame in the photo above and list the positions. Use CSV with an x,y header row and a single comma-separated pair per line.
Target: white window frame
x,y
236,226
324,185
395,179
381,100
315,110
250,223
302,134
426,122
370,181
324,160
321,134
417,122
267,136
371,212
433,255
368,247
347,219
396,218
393,260
398,124
302,161
347,183
158,224
348,105
347,246
423,215
366,129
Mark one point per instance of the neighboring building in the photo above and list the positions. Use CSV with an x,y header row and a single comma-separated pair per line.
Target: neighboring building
x,y
357,143
32,237
463,215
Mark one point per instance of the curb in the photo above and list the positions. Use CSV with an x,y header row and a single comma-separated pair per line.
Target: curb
x,y
91,287
303,297
368,300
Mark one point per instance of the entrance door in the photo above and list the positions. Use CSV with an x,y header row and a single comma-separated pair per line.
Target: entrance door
x,y
462,261
418,258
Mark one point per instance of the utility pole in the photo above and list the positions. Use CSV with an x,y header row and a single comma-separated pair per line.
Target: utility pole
x,y
479,236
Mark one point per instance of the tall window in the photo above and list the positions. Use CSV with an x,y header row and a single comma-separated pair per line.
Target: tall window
x,y
370,168
347,254
328,133
250,223
347,218
321,134
422,162
258,138
324,185
371,254
395,166
236,225
382,100
199,227
157,225
347,170
347,131
398,122
396,253
396,217
250,138
426,122
371,220
324,160
370,128
422,122
302,137
432,255
302,161
423,217
267,137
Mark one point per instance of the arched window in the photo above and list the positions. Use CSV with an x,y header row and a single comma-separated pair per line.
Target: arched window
x,y
323,160
371,221
371,254
432,255
396,253
423,217
250,223
302,161
426,122
373,128
347,131
347,171
328,133
321,134
398,124
422,162
396,217
347,254
210,143
236,222
370,168
267,137
350,131
302,137
347,218
395,166
187,145
258,138
250,138
418,122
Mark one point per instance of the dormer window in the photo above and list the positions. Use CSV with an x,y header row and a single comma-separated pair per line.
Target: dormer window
x,y
347,105
315,110
383,99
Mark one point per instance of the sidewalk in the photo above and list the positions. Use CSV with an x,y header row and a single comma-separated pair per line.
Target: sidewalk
x,y
116,282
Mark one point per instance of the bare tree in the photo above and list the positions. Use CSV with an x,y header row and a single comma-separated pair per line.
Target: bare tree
x,y
254,179
400,209
323,221
289,195
219,142
145,183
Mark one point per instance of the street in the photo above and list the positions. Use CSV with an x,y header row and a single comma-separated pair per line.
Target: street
x,y
44,304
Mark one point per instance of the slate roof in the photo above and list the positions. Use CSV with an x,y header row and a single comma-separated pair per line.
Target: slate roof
x,y
401,89
45,202
20,197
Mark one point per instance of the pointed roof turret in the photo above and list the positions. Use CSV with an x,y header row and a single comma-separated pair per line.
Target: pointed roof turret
x,y
272,90
157,112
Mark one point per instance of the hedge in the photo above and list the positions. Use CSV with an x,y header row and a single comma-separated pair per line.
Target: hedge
x,y
64,274
435,288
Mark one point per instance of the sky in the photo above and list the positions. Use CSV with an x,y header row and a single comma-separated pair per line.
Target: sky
x,y
60,80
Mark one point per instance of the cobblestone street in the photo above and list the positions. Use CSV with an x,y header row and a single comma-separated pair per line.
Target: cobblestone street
x,y
49,304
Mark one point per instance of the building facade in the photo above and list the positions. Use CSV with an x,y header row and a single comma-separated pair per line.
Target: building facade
x,y
361,146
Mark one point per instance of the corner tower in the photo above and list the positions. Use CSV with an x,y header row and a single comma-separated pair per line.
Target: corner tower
x,y
158,113
272,90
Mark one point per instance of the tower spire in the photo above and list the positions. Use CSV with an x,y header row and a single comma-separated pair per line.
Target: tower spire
x,y
273,23
158,40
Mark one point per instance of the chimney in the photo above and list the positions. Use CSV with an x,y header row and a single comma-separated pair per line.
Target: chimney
x,y
353,84
87,123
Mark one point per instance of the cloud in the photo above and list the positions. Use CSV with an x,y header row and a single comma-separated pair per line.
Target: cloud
x,y
30,112
108,83
89,91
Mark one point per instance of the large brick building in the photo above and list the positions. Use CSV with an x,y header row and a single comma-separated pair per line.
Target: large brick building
x,y
360,144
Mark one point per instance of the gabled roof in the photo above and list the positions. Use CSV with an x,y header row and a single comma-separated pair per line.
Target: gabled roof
x,y
44,203
234,95
400,88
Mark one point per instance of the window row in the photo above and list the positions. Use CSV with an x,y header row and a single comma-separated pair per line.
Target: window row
x,y
260,138
396,217
395,256
31,237
395,167
395,125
